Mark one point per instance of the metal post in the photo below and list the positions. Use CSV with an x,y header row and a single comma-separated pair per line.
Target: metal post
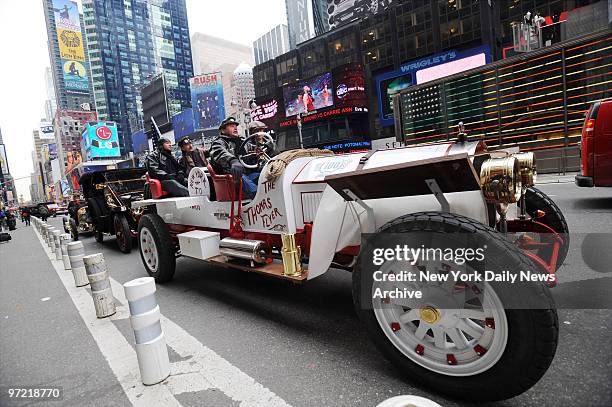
x,y
101,290
299,126
64,240
151,349
57,248
75,254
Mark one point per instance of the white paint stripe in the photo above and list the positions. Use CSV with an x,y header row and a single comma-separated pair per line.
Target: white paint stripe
x,y
120,356
212,368
203,368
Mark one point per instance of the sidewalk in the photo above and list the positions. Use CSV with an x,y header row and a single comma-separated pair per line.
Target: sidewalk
x,y
556,178
43,340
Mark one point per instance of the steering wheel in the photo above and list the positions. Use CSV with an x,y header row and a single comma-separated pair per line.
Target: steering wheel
x,y
252,150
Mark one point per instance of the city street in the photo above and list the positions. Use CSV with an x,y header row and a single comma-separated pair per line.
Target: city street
x,y
243,339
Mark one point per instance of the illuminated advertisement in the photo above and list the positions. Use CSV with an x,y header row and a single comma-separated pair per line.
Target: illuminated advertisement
x,y
183,124
349,86
100,140
309,95
207,100
70,41
45,131
3,161
266,112
424,70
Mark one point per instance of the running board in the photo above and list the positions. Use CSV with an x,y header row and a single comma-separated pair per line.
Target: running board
x,y
275,269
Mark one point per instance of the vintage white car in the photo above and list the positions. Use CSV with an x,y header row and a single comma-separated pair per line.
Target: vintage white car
x,y
311,212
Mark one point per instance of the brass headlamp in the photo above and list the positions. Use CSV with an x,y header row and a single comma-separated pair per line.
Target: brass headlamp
x,y
500,179
527,167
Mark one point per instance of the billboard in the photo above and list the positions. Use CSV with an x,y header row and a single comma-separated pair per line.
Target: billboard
x,y
45,131
71,47
309,95
207,100
100,140
140,142
349,82
267,112
3,161
343,11
424,70
183,124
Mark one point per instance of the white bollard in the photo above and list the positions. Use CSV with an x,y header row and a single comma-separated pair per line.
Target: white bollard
x,y
151,349
64,240
101,290
57,244
50,241
75,254
408,401
45,229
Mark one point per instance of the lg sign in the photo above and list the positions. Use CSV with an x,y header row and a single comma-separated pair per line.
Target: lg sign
x,y
103,133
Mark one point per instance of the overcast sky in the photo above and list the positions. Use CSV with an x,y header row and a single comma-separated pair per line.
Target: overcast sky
x,y
23,47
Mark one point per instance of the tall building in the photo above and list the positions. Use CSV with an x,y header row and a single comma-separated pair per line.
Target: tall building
x,y
68,55
129,42
306,19
213,55
243,91
50,102
272,44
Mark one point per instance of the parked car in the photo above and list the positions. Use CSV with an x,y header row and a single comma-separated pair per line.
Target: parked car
x,y
62,209
596,147
109,196
53,208
311,214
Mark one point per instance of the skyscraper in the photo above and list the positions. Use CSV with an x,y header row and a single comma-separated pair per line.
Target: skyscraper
x,y
305,19
129,42
50,102
272,44
68,55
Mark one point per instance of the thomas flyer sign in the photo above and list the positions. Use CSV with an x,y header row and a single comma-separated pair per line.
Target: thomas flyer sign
x,y
207,100
101,140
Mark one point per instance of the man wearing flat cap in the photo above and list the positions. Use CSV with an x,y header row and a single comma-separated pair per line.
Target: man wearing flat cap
x,y
224,155
192,156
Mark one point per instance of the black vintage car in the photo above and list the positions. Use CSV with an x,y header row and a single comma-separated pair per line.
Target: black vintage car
x,y
109,195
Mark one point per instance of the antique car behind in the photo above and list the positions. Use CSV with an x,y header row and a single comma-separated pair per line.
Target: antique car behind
x,y
109,195
79,222
315,212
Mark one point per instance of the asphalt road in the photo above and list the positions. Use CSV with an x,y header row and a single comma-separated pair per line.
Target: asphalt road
x,y
304,343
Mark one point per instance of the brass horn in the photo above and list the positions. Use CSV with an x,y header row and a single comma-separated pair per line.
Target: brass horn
x,y
527,166
500,179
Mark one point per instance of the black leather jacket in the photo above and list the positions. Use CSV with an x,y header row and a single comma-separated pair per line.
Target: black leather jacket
x,y
163,166
223,152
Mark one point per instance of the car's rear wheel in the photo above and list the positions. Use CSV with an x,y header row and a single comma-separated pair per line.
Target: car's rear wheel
x,y
466,346
156,248
122,233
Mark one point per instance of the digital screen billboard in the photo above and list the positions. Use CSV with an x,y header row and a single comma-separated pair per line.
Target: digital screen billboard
x,y
207,100
343,11
183,124
267,112
423,70
100,140
309,95
349,82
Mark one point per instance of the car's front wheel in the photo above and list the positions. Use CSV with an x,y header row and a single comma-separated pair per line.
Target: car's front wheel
x,y
122,233
156,248
476,341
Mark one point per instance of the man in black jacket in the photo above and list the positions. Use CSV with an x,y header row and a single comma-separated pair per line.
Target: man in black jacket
x,y
163,166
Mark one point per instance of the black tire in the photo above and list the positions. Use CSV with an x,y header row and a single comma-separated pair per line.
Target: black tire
x,y
164,246
98,235
122,232
537,200
532,333
74,229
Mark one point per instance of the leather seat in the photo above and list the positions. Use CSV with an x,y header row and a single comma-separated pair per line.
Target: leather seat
x,y
224,185
156,188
